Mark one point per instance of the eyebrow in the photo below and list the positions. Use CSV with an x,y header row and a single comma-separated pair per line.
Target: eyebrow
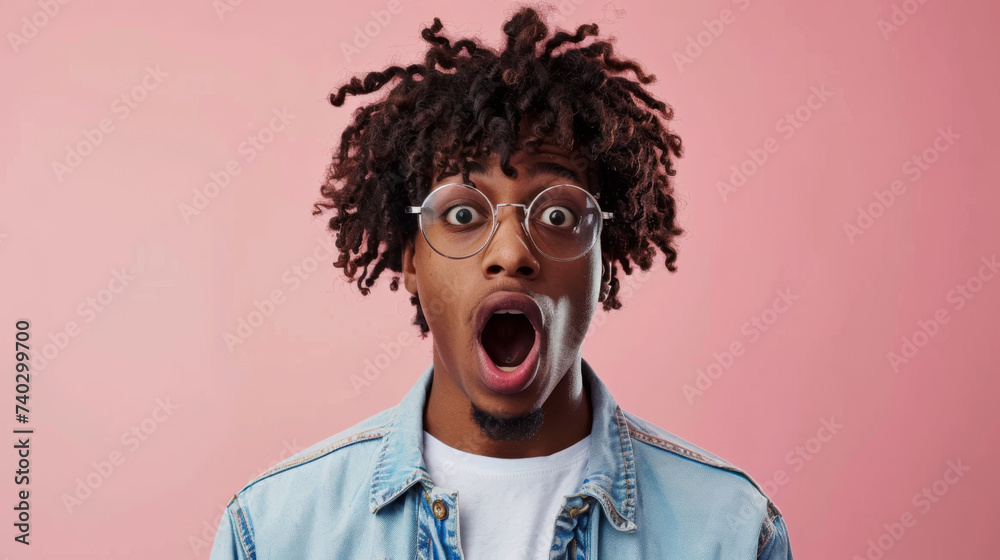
x,y
536,169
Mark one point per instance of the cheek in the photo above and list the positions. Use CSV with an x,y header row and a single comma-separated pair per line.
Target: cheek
x,y
576,307
439,288
588,285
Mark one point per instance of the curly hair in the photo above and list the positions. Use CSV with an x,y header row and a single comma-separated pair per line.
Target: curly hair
x,y
466,101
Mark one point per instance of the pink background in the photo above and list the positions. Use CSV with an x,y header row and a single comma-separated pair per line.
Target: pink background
x,y
234,413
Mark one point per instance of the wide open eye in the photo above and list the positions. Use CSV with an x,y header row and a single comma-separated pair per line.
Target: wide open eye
x,y
462,215
557,216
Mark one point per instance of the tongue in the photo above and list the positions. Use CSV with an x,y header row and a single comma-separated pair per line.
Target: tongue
x,y
507,338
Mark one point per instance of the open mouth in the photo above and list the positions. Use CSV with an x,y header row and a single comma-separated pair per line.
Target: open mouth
x,y
507,338
510,328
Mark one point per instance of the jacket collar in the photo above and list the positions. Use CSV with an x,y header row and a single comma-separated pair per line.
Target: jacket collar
x,y
610,477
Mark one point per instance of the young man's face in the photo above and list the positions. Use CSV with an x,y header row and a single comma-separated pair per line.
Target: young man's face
x,y
558,299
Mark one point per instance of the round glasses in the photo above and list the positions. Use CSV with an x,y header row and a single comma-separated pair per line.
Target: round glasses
x,y
562,221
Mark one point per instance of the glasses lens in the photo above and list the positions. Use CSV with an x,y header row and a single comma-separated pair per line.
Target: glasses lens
x,y
564,222
456,220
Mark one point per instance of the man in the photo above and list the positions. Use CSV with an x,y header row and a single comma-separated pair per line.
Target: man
x,y
505,189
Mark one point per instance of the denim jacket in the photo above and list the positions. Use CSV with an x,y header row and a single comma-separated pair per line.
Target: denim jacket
x,y
365,493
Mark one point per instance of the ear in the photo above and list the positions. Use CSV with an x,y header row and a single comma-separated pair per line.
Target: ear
x,y
605,277
409,269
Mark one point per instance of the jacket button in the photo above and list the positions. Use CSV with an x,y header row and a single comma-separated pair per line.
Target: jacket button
x,y
440,510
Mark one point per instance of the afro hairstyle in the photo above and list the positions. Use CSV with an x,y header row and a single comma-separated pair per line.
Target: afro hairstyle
x,y
466,101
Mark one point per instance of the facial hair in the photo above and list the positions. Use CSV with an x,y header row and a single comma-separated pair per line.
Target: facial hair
x,y
508,429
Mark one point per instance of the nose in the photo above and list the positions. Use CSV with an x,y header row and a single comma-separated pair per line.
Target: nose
x,y
510,251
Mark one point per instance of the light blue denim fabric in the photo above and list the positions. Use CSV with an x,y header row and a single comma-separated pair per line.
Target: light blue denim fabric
x,y
365,493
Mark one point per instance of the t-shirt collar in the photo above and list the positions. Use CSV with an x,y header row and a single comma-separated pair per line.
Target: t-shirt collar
x,y
610,477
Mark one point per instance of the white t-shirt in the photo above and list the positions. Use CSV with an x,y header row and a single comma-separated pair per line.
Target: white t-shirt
x,y
507,507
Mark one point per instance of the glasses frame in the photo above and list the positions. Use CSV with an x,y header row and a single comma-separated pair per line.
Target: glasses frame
x,y
524,223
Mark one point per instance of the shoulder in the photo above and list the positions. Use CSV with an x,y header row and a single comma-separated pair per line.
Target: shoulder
x,y
344,453
708,479
655,437
367,430
307,488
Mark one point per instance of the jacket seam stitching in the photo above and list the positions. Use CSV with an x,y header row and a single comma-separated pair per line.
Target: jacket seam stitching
x,y
629,482
673,447
366,435
246,532
692,454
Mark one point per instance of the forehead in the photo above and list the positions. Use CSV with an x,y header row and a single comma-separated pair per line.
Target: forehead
x,y
549,165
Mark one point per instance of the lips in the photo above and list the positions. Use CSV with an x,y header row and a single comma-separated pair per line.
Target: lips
x,y
508,328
